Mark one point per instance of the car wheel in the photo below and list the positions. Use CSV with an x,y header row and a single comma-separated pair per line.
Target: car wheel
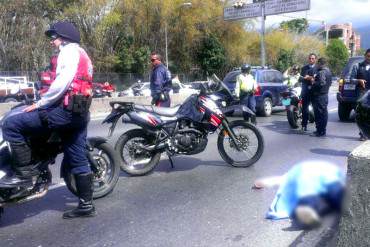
x,y
10,100
266,108
344,111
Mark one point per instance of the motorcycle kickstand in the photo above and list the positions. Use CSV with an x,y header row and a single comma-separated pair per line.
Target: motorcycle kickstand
x,y
170,159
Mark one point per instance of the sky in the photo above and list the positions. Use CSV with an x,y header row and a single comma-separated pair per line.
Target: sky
x,y
332,11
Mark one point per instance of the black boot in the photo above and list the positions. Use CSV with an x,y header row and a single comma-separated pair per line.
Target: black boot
x,y
85,206
21,164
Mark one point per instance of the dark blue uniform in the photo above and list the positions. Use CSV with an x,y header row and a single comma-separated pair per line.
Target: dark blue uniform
x,y
306,93
160,86
320,90
72,129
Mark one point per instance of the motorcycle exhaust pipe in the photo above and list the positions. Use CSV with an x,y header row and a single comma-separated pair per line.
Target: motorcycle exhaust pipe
x,y
27,199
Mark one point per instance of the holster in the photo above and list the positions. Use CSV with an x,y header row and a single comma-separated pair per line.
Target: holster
x,y
78,103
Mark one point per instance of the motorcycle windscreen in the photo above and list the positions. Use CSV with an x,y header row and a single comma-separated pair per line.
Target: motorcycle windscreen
x,y
189,109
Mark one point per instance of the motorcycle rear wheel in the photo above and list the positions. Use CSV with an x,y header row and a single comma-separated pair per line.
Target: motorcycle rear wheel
x,y
106,178
250,133
134,160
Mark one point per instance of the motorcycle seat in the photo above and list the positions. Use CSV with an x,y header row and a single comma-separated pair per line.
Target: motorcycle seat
x,y
163,111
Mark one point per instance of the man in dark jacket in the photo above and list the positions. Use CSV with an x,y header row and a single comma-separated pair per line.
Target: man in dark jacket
x,y
160,82
307,73
361,72
321,83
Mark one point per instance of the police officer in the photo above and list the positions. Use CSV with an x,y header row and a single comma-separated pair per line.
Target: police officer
x,y
65,108
320,89
361,72
160,82
307,72
245,87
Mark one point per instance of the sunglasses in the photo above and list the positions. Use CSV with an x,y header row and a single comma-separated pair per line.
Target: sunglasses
x,y
153,59
54,37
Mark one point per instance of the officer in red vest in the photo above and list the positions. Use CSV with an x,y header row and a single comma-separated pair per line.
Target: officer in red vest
x,y
64,107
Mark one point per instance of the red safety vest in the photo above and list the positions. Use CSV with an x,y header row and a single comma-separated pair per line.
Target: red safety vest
x,y
82,82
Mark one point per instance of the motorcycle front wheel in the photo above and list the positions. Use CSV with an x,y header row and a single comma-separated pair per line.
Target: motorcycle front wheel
x,y
134,159
293,116
250,143
107,174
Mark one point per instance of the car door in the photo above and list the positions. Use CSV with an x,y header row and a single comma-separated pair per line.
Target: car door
x,y
279,86
267,85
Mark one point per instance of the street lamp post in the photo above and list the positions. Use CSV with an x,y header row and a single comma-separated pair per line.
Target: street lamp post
x,y
185,5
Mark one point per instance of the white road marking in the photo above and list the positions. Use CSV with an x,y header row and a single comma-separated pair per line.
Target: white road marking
x,y
333,110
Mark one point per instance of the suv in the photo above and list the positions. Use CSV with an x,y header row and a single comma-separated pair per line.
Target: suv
x,y
348,92
270,85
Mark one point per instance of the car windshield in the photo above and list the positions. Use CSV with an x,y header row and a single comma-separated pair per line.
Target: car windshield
x,y
351,62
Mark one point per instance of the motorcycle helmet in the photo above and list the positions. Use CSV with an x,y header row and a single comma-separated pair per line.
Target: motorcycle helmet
x,y
65,30
245,68
363,114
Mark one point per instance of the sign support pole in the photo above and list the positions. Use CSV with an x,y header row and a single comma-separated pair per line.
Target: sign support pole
x,y
263,52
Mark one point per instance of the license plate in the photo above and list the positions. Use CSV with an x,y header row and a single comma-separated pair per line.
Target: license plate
x,y
349,86
285,102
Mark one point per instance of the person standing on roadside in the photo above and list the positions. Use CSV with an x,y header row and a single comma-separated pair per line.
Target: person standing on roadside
x,y
361,73
320,90
160,82
307,73
245,88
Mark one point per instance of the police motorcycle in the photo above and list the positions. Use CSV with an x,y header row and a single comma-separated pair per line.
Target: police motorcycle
x,y
183,130
292,100
103,160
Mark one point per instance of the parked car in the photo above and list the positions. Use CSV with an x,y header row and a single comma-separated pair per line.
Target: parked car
x,y
270,85
15,89
348,92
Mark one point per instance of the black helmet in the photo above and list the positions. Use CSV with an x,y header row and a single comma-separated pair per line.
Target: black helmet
x,y
246,68
363,114
65,30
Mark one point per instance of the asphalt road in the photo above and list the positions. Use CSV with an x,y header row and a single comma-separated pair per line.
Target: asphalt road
x,y
201,202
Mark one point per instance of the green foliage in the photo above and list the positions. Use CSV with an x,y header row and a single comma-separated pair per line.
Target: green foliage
x,y
211,55
285,60
299,25
337,55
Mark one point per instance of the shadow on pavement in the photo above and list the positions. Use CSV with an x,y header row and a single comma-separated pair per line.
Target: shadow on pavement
x,y
330,152
185,163
323,236
55,200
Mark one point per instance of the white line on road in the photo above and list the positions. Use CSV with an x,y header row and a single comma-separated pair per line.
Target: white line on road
x,y
333,110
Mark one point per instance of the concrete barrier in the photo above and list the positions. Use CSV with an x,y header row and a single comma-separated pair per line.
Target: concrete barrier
x,y
354,227
100,106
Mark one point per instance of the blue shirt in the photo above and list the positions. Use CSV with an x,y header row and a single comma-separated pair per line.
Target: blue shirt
x,y
159,79
309,178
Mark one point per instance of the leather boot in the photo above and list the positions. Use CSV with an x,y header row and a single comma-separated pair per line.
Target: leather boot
x,y
85,206
21,164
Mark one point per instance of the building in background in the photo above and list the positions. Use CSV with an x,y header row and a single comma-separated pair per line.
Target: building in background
x,y
347,34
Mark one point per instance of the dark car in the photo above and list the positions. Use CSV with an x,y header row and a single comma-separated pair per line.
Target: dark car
x,y
270,85
348,92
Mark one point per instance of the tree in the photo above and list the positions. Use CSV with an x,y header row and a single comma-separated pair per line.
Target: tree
x,y
212,55
299,25
285,60
337,54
